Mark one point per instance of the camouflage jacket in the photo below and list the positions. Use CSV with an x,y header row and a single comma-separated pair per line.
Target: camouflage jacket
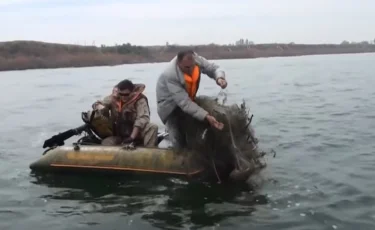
x,y
125,116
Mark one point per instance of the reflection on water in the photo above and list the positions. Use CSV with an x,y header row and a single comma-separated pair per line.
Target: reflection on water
x,y
163,202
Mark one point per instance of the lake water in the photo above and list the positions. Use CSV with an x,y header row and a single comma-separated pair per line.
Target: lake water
x,y
316,112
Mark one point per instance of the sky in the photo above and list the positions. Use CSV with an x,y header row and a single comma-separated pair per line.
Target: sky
x,y
155,22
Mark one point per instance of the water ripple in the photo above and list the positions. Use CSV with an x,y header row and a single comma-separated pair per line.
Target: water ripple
x,y
317,113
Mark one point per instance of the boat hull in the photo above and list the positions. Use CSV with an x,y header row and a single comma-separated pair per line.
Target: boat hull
x,y
114,159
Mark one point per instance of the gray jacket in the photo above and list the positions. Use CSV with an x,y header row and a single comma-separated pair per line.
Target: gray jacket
x,y
171,92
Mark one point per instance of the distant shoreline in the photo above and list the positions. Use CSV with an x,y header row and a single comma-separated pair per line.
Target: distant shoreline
x,y
23,55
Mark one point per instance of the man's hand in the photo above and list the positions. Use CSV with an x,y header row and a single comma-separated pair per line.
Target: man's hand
x,y
221,82
214,123
98,106
130,146
128,143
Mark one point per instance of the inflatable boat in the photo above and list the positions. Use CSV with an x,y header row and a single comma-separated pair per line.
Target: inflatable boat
x,y
87,155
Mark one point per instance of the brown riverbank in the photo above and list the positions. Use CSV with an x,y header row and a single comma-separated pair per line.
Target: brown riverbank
x,y
21,55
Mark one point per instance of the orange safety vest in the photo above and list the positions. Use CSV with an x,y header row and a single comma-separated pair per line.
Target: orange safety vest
x,y
192,82
125,113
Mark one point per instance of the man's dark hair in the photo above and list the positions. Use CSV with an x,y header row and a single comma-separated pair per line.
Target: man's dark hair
x,y
125,84
183,53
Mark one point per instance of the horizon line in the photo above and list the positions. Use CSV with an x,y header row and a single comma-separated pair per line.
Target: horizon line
x,y
370,42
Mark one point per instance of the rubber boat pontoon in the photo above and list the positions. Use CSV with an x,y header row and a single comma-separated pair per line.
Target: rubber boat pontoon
x,y
87,155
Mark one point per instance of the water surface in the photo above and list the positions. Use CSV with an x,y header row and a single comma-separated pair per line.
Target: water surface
x,y
316,112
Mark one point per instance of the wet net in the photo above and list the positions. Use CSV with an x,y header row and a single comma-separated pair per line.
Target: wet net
x,y
235,143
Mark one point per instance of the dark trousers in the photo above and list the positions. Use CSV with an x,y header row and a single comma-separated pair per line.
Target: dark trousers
x,y
175,127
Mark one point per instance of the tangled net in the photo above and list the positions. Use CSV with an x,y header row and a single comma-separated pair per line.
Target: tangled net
x,y
236,143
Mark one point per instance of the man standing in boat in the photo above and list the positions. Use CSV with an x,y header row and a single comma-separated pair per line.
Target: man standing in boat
x,y
129,112
176,89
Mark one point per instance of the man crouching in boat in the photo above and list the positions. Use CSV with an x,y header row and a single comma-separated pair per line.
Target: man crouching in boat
x,y
176,89
129,113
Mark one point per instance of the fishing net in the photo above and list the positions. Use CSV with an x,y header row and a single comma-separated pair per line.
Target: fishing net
x,y
235,143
